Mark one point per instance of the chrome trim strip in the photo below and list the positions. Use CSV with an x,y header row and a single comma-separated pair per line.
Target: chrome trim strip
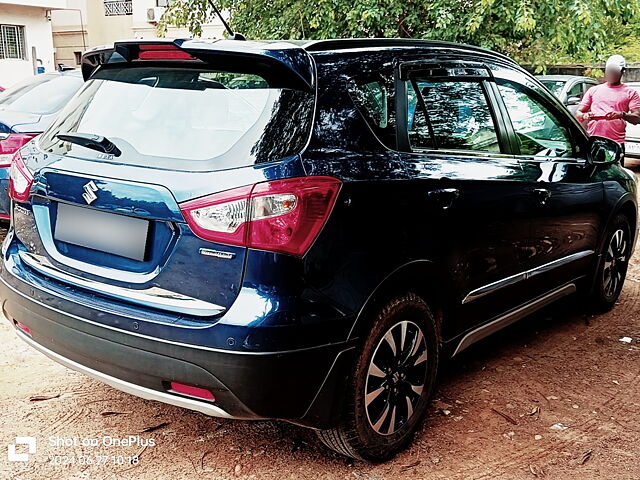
x,y
505,282
10,266
130,388
511,317
492,287
154,297
559,262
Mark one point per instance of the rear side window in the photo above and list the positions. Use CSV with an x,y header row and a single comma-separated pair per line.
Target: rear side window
x,y
185,118
41,95
449,114
576,90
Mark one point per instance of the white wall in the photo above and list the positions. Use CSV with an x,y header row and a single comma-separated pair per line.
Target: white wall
x,y
38,3
37,33
70,18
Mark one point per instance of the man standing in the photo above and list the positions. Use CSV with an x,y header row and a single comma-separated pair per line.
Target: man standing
x,y
608,106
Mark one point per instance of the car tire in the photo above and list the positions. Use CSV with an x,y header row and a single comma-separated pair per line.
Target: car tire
x,y
391,383
612,268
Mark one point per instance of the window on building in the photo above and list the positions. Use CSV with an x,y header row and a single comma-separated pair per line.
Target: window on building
x,y
78,56
163,3
119,7
12,42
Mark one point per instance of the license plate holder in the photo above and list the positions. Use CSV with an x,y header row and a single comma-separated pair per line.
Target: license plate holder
x,y
102,231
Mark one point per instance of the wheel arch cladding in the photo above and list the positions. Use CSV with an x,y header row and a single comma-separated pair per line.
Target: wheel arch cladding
x,y
419,277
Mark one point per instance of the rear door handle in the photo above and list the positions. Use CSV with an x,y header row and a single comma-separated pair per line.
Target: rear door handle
x,y
444,197
542,194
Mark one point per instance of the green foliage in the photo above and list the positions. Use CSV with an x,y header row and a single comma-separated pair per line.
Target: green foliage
x,y
538,32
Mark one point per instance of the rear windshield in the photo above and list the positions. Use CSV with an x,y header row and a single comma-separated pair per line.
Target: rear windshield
x,y
554,86
185,118
41,95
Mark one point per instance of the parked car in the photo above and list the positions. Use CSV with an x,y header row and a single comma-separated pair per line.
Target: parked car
x,y
632,142
568,88
26,110
311,250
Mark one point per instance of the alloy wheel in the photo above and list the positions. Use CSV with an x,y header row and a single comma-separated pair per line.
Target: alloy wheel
x,y
615,263
396,377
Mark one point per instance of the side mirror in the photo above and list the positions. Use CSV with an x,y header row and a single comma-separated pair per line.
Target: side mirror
x,y
603,151
573,101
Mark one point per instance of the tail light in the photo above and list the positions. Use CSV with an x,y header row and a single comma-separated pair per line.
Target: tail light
x,y
281,215
162,51
20,179
11,144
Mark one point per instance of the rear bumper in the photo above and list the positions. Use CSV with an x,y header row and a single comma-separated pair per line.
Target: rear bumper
x,y
301,386
124,386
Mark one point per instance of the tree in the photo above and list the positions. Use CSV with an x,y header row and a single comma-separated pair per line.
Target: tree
x,y
538,32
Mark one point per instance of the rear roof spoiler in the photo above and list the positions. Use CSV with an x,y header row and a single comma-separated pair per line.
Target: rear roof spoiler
x,y
282,64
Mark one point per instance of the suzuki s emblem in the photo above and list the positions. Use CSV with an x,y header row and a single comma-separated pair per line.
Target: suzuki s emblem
x,y
89,194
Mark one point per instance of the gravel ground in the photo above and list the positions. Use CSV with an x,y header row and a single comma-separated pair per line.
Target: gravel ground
x,y
556,396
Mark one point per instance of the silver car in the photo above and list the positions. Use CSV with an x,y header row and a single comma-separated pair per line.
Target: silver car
x,y
568,88
632,143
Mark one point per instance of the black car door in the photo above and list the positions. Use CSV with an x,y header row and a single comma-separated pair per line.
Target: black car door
x,y
552,149
468,192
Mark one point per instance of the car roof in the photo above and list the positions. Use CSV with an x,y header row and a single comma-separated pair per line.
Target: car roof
x,y
310,46
293,56
76,72
388,43
564,78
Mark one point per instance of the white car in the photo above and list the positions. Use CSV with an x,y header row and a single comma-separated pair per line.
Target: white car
x,y
632,143
568,88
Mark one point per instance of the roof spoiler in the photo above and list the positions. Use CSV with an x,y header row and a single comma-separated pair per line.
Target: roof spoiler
x,y
282,65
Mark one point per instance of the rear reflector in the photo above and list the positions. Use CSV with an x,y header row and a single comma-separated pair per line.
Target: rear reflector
x,y
20,179
281,215
192,391
11,144
23,327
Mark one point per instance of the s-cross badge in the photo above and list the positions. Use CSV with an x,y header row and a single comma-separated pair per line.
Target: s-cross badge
x,y
89,194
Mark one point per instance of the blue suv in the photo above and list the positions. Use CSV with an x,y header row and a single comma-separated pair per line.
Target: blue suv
x,y
304,231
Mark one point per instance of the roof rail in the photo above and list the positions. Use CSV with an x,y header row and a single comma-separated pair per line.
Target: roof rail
x,y
347,43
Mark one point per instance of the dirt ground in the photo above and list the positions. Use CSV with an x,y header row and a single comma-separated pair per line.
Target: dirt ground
x,y
555,396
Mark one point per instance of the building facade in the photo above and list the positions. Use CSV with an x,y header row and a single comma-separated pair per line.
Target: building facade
x,y
90,23
26,42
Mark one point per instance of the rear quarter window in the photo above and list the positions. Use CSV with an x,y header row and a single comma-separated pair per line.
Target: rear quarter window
x,y
374,98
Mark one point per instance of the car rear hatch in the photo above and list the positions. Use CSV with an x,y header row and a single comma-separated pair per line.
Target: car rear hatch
x,y
180,120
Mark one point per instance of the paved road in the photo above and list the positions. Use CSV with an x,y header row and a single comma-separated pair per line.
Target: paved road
x,y
555,396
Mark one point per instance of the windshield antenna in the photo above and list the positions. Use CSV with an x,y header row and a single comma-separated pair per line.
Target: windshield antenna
x,y
232,35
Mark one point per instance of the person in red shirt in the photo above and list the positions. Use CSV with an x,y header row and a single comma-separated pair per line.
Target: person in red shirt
x,y
607,107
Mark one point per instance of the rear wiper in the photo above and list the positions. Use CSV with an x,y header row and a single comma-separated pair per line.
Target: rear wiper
x,y
94,142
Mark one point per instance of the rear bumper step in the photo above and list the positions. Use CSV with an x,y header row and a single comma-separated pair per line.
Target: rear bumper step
x,y
151,297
